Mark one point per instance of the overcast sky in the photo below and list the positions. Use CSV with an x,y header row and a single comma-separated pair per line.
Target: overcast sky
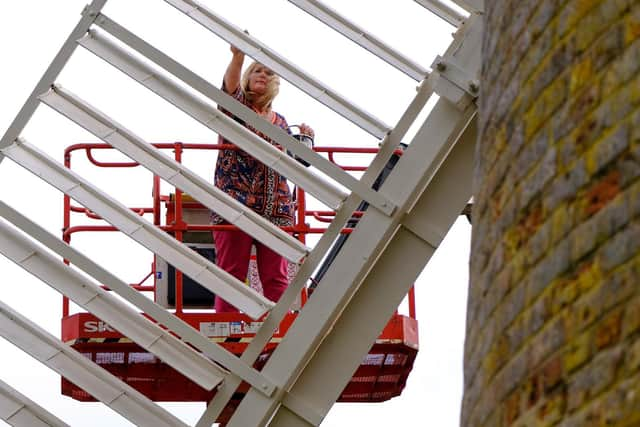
x,y
33,31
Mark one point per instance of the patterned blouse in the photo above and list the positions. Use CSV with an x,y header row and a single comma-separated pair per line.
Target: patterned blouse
x,y
251,182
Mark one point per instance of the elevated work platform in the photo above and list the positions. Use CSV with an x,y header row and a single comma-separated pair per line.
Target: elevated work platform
x,y
381,375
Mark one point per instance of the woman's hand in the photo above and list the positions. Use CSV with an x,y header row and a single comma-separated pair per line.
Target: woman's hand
x,y
234,70
235,51
305,129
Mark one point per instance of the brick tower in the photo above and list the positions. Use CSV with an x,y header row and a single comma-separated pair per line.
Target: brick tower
x,y
553,325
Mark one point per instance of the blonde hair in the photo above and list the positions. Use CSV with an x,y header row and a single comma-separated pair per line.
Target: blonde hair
x,y
266,99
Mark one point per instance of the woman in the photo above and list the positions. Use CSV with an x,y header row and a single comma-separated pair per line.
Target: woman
x,y
252,183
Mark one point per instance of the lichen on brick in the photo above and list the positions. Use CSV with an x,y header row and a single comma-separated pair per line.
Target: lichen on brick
x,y
554,330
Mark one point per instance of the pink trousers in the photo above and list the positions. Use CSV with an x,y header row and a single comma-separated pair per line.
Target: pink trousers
x,y
233,252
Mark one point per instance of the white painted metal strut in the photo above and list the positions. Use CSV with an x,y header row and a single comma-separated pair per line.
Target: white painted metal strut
x,y
281,66
473,6
333,171
81,371
186,332
443,10
214,119
186,260
18,410
173,172
359,36
56,66
94,299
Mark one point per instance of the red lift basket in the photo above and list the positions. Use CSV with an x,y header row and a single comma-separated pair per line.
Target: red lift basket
x,y
382,374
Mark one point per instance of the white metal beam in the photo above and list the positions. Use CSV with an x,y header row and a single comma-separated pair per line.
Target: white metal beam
x,y
443,11
361,37
281,66
214,119
79,111
94,299
18,410
98,382
186,260
186,332
26,112
473,6
176,69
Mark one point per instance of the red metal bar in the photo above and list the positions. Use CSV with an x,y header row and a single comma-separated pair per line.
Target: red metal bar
x,y
110,164
355,214
412,302
145,288
141,288
173,229
92,215
161,145
156,200
144,279
349,150
180,225
320,215
302,234
154,272
187,146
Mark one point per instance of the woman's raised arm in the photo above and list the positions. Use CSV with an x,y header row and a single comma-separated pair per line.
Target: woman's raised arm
x,y
232,75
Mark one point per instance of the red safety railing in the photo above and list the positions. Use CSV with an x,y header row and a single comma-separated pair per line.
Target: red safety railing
x,y
301,228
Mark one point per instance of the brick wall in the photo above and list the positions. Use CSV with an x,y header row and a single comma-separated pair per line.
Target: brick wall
x,y
553,323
